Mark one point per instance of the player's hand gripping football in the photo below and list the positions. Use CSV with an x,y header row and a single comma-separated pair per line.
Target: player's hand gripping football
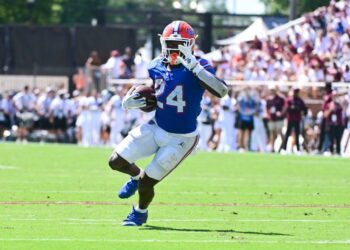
x,y
132,101
189,60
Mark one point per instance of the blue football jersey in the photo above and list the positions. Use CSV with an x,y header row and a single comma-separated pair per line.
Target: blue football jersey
x,y
179,95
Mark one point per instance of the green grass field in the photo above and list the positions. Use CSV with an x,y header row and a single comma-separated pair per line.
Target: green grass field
x,y
64,197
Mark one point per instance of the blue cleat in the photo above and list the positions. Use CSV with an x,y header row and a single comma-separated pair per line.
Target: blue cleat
x,y
129,189
135,218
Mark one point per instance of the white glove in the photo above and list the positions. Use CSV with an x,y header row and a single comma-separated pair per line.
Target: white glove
x,y
130,101
190,61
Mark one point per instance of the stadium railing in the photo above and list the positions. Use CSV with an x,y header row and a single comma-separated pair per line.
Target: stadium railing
x,y
345,85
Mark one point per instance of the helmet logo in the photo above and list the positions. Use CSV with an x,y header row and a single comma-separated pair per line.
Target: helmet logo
x,y
189,31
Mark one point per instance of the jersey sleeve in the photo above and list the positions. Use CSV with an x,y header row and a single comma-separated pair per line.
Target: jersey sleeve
x,y
206,65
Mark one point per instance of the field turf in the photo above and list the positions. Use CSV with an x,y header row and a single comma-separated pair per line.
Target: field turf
x,y
64,197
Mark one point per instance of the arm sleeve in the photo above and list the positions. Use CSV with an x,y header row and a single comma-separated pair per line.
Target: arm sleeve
x,y
205,72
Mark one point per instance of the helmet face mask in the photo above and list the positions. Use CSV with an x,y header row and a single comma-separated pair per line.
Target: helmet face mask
x,y
175,34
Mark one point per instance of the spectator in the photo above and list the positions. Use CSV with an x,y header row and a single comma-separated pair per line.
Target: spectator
x,y
247,108
92,66
226,119
141,66
205,123
113,65
3,118
275,109
128,64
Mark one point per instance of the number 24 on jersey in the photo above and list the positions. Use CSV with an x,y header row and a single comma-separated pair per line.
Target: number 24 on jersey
x,y
175,98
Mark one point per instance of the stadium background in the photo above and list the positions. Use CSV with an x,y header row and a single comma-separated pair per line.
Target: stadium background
x,y
59,196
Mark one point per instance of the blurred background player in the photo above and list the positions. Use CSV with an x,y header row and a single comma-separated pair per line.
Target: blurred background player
x,y
295,109
180,80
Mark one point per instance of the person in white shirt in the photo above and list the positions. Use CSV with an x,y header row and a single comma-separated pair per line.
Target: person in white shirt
x,y
113,65
3,117
141,66
259,136
43,109
83,124
117,117
58,114
94,103
25,104
205,124
227,119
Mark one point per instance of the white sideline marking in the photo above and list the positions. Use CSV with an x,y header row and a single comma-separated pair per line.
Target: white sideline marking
x,y
291,220
101,221
165,192
3,167
234,241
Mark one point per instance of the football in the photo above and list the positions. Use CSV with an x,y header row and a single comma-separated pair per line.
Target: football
x,y
150,96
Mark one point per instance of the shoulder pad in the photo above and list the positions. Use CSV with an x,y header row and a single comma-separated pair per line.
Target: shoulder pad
x,y
203,62
155,62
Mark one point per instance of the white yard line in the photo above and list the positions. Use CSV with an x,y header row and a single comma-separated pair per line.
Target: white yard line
x,y
3,167
233,241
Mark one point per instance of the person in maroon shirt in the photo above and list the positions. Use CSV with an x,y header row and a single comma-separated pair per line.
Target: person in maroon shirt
x,y
295,108
327,99
275,109
334,125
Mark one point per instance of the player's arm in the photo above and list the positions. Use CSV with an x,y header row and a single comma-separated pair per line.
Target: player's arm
x,y
209,81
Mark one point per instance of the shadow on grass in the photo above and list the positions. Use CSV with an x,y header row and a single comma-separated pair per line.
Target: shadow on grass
x,y
158,228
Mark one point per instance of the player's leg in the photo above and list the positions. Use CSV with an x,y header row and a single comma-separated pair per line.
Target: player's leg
x,y
138,144
165,161
118,163
146,191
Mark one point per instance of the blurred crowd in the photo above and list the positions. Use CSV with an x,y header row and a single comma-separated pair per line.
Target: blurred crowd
x,y
317,50
250,119
95,74
261,119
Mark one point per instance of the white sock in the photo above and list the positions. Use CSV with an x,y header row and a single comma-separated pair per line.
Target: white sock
x,y
137,177
140,210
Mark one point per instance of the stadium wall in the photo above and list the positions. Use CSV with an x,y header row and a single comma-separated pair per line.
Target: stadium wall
x,y
57,50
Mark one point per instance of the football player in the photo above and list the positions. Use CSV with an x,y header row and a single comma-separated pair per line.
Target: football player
x,y
180,80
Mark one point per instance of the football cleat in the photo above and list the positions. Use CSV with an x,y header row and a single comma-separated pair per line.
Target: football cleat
x,y
135,218
129,189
